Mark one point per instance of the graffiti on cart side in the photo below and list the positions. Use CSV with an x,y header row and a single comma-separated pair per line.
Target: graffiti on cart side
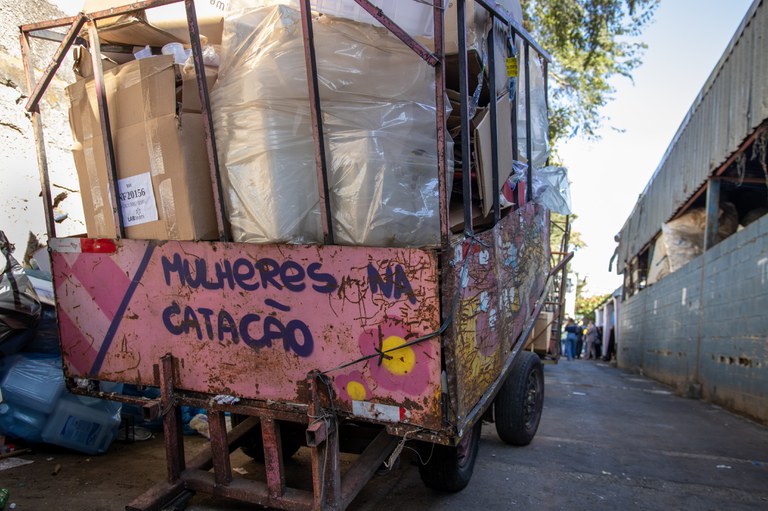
x,y
251,328
393,284
247,274
254,330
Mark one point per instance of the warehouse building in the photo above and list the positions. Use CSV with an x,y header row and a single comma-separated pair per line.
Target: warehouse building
x,y
694,251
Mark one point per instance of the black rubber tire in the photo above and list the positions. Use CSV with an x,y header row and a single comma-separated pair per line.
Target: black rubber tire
x,y
519,403
449,469
291,437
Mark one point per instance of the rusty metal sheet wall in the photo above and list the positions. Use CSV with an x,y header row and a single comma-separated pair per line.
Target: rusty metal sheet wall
x,y
253,320
731,105
500,274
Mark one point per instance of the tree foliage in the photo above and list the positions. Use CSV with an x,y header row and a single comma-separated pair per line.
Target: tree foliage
x,y
557,231
587,305
591,41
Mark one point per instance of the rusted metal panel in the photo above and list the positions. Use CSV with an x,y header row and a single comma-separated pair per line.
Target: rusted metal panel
x,y
499,275
253,320
732,104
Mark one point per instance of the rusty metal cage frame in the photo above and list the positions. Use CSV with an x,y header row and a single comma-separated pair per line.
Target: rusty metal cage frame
x,y
330,490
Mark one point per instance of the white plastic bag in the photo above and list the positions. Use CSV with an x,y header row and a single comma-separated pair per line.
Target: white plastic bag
x,y
551,189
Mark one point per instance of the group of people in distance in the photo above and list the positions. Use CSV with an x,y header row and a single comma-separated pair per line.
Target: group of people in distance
x,y
586,341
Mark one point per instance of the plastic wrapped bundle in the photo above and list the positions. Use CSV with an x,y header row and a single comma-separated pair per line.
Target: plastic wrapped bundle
x,y
378,106
539,115
552,190
684,236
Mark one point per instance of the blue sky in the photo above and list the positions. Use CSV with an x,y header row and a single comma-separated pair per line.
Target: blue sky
x,y
685,41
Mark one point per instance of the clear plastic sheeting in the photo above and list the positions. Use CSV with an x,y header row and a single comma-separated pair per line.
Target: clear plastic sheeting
x,y
378,104
551,189
539,116
413,16
683,237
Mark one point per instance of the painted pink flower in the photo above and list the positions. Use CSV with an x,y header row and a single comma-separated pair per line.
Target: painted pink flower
x,y
403,369
352,387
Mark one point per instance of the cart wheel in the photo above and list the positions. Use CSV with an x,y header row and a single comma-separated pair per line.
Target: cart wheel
x,y
449,469
519,402
291,437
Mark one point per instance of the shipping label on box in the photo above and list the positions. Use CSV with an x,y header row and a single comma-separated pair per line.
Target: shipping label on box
x,y
137,199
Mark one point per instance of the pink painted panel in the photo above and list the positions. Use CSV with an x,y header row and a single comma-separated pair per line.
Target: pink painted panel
x,y
253,320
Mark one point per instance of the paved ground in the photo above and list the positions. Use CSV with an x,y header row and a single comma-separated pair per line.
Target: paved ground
x,y
607,440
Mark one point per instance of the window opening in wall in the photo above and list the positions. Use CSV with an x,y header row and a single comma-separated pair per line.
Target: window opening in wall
x,y
742,200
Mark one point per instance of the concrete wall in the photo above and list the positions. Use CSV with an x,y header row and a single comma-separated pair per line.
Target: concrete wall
x,y
704,328
20,201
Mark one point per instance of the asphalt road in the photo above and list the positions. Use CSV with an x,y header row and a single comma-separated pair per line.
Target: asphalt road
x,y
607,440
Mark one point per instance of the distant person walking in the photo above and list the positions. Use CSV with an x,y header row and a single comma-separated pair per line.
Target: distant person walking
x,y
579,339
571,336
591,341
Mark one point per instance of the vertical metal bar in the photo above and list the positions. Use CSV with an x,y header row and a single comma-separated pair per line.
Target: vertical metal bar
x,y
515,145
326,469
515,94
174,439
545,70
205,110
222,467
37,128
315,450
564,242
106,129
273,460
495,147
713,211
466,178
317,122
442,164
528,141
332,468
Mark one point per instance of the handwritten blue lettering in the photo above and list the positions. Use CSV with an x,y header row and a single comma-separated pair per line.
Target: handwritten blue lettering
x,y
393,284
247,275
295,334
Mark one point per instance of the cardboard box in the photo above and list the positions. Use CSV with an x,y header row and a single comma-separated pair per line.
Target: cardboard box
x,y
210,27
190,95
480,133
128,29
484,151
160,155
542,332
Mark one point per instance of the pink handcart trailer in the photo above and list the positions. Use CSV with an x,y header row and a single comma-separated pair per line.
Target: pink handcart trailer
x,y
335,348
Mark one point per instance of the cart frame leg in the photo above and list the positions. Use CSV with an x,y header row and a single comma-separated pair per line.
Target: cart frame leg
x,y
330,491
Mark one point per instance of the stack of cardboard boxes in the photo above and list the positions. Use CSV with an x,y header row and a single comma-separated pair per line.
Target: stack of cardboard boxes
x,y
164,182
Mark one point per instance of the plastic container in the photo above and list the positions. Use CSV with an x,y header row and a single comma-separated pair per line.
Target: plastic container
x,y
84,424
34,382
21,422
414,17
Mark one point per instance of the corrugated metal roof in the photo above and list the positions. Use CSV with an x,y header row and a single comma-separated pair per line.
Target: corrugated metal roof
x,y
732,103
